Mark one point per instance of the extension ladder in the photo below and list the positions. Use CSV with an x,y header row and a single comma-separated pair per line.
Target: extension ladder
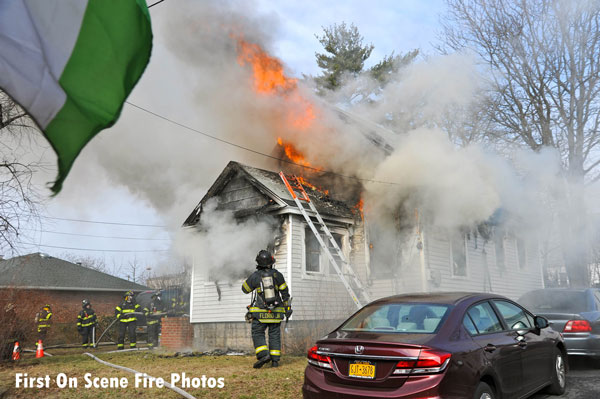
x,y
298,193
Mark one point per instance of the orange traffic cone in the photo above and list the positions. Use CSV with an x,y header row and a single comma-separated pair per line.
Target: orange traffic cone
x,y
40,350
16,351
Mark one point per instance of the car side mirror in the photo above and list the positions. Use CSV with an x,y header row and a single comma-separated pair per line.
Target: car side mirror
x,y
541,322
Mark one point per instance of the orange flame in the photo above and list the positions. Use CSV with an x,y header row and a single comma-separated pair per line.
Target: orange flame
x,y
270,79
360,205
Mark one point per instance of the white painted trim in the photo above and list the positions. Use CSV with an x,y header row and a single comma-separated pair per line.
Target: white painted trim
x,y
289,252
192,290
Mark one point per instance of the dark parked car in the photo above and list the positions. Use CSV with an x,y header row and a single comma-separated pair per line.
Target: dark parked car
x,y
446,345
575,313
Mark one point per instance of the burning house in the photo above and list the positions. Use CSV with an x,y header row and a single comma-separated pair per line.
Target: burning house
x,y
419,256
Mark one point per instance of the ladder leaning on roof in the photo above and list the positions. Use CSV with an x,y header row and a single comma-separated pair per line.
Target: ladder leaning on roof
x,y
299,194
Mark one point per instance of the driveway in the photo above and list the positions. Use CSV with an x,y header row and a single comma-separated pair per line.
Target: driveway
x,y
583,381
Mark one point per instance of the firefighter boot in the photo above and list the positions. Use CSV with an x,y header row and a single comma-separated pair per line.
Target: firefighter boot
x,y
275,363
262,361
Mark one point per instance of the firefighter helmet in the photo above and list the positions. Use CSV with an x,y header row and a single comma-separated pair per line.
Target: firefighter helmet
x,y
156,294
128,293
264,259
84,303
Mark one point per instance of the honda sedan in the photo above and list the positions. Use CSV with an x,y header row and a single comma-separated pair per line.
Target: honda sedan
x,y
446,345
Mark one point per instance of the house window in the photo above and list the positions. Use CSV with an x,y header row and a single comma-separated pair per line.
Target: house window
x,y
316,260
521,252
459,255
312,250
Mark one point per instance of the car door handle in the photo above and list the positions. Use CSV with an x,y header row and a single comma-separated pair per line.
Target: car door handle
x,y
522,344
489,348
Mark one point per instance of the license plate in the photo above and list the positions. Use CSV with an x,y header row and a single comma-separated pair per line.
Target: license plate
x,y
361,369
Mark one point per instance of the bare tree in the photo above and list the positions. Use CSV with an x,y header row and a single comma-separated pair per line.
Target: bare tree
x,y
19,200
544,76
88,261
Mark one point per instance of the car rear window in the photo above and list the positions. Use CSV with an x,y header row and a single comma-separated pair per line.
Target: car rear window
x,y
554,301
421,318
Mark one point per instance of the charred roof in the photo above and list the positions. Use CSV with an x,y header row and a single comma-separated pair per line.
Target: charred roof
x,y
270,185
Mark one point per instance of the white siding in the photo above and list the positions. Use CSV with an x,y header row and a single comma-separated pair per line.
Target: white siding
x,y
512,280
315,297
206,306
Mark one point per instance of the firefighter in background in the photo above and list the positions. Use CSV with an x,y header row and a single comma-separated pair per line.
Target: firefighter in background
x,y
43,321
126,317
153,313
178,305
268,308
86,323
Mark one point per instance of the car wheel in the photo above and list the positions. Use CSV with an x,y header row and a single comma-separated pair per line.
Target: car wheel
x,y
559,374
484,391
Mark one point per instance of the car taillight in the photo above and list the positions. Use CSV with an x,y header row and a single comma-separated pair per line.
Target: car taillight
x,y
577,326
429,362
318,360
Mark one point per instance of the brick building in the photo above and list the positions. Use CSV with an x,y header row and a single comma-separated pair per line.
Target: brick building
x,y
30,281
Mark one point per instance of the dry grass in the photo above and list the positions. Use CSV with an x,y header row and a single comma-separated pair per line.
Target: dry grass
x,y
241,380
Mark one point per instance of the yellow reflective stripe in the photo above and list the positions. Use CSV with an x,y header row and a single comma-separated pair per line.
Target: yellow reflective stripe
x,y
275,310
128,320
246,287
128,310
270,320
261,348
118,308
275,352
282,287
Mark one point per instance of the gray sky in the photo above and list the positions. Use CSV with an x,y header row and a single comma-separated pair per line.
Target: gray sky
x,y
89,194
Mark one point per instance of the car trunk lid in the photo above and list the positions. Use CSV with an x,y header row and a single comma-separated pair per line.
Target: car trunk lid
x,y
368,362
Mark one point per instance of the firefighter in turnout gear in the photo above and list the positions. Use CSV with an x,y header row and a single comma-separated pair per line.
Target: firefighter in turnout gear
x,y
268,308
127,320
86,322
153,313
43,321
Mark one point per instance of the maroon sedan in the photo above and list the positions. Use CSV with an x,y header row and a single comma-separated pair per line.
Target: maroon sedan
x,y
446,345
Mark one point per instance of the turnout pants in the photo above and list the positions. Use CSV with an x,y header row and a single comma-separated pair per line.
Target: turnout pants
x,y
128,326
260,342
153,334
87,336
42,332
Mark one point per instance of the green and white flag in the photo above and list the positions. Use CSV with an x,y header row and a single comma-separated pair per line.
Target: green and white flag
x,y
71,64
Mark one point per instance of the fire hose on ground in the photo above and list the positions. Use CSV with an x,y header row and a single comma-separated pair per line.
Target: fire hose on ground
x,y
116,366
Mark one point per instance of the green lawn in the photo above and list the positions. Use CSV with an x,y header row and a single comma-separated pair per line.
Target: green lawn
x,y
240,379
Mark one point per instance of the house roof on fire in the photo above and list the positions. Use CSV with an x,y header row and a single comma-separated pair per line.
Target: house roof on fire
x,y
41,271
270,184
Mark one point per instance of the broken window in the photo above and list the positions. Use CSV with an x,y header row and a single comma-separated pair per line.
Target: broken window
x,y
459,254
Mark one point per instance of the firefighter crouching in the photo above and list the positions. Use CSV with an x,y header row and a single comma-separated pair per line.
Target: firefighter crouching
x,y
43,322
153,313
126,320
86,323
268,308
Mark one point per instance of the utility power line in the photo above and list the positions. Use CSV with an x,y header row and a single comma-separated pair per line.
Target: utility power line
x,y
98,236
103,222
96,250
241,147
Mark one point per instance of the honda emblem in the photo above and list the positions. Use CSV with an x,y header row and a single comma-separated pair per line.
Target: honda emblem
x,y
359,349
